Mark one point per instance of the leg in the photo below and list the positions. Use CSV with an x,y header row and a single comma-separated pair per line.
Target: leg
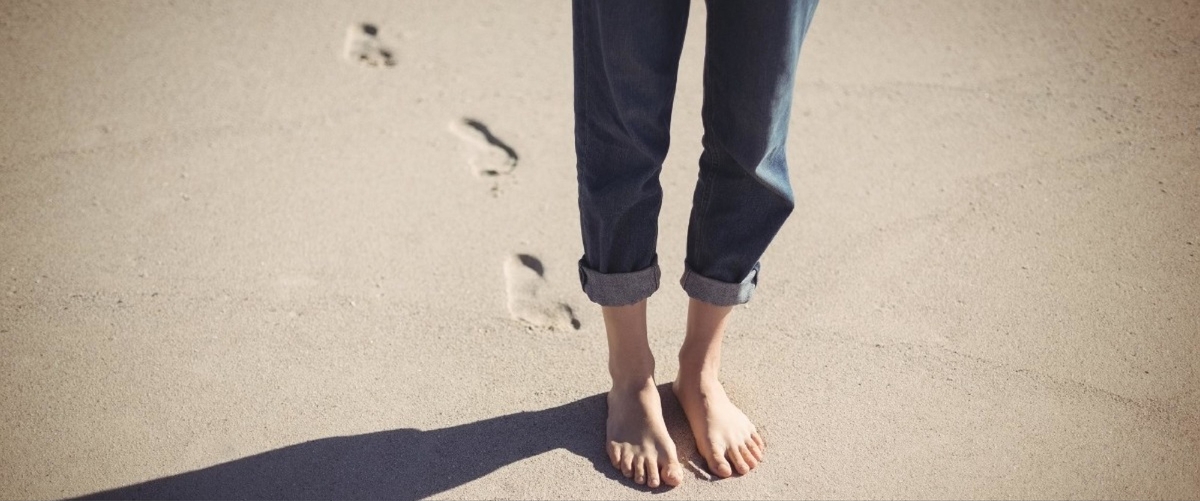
x,y
724,435
638,443
743,195
626,59
742,199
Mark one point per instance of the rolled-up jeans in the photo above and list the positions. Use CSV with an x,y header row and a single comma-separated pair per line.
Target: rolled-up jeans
x,y
626,60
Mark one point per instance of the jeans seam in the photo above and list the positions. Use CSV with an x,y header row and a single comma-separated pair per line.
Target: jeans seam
x,y
705,174
584,145
586,102
706,205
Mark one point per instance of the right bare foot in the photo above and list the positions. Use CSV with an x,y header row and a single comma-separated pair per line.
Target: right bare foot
x,y
638,442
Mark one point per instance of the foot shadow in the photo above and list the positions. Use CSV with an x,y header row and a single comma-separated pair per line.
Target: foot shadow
x,y
397,464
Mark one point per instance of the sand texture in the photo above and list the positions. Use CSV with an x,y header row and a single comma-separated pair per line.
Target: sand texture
x,y
284,249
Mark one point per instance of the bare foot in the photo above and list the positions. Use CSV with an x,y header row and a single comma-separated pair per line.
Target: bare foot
x,y
724,435
638,443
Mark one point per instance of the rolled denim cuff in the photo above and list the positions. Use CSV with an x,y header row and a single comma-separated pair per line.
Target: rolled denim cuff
x,y
619,289
717,292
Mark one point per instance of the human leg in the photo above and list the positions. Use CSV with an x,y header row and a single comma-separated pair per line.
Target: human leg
x,y
742,199
626,59
638,443
743,195
725,437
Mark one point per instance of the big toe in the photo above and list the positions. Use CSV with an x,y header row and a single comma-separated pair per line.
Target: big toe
x,y
672,473
719,465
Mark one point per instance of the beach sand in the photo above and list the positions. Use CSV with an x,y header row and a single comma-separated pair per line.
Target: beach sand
x,y
254,250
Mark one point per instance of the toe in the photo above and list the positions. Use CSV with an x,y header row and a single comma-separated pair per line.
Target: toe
x,y
672,474
755,450
652,478
672,471
639,471
718,465
762,444
735,457
749,458
627,463
614,454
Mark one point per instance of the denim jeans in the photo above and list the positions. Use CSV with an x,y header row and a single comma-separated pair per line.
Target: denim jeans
x,y
626,60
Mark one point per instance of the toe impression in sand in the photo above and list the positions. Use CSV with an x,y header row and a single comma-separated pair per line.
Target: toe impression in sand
x,y
364,46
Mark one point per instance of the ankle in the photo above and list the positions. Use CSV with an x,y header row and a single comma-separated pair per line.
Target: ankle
x,y
696,359
631,372
697,380
698,368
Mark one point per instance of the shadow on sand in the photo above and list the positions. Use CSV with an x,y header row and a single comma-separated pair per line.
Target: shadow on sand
x,y
397,464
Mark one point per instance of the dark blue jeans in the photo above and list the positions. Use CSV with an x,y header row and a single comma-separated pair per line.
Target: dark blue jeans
x,y
626,61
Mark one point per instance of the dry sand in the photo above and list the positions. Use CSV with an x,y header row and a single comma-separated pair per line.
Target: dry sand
x,y
247,250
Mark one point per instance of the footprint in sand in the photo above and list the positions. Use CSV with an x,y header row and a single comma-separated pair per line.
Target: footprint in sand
x,y
364,46
524,274
489,157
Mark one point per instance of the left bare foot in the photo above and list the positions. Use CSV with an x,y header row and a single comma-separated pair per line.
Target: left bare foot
x,y
724,435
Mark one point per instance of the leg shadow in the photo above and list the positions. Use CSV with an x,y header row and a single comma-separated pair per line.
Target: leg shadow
x,y
397,464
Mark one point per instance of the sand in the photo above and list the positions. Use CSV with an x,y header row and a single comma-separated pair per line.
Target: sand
x,y
250,250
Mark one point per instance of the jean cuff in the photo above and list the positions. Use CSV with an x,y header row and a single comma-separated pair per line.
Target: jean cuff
x,y
717,292
619,289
